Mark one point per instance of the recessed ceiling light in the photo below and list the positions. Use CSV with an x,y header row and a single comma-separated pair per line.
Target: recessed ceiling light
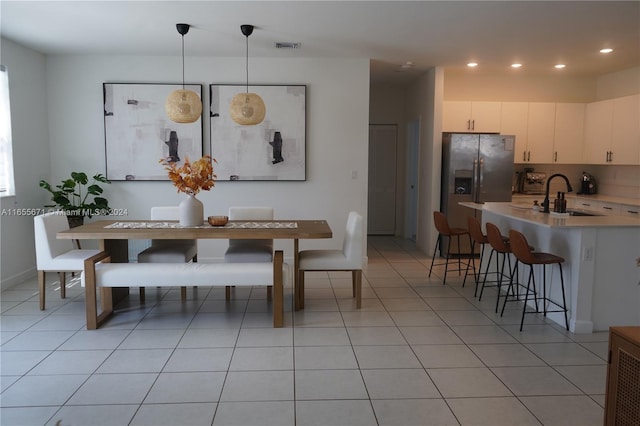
x,y
606,50
560,66
407,65
472,64
516,65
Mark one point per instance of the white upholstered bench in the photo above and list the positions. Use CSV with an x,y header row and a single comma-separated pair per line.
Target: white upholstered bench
x,y
100,273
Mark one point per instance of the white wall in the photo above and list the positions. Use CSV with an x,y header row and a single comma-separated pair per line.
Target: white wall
x,y
31,158
618,84
337,135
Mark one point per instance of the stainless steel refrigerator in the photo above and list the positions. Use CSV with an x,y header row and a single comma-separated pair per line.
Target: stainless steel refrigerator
x,y
475,168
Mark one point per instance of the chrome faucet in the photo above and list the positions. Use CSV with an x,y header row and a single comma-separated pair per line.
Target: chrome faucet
x,y
545,203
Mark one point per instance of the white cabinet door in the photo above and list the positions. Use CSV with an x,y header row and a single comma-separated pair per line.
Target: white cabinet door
x,y
541,128
456,116
477,117
569,133
598,126
625,132
485,117
514,118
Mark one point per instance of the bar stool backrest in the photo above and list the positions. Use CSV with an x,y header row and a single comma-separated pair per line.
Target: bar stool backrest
x,y
520,248
441,223
475,229
496,239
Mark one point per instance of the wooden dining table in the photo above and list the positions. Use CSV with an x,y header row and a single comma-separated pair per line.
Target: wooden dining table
x,y
113,236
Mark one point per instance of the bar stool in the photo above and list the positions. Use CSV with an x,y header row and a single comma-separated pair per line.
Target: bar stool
x,y
500,246
477,237
524,254
444,230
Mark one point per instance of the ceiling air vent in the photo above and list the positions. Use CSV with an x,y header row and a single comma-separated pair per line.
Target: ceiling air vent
x,y
287,45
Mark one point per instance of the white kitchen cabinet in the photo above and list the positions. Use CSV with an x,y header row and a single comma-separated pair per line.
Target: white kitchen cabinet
x,y
612,131
540,132
477,117
569,133
597,131
625,131
628,210
514,119
601,207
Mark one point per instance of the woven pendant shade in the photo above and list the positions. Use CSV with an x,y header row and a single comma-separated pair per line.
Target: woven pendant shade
x,y
183,106
247,109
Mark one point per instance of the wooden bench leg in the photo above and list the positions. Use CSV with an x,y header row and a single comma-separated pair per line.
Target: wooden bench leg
x,y
278,290
63,284
183,294
41,288
356,278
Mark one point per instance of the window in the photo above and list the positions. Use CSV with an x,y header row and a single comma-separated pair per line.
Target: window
x,y
6,157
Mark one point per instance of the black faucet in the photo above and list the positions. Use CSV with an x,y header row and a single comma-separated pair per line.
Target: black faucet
x,y
545,203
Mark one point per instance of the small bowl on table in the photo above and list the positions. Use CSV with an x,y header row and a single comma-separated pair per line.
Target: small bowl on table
x,y
218,220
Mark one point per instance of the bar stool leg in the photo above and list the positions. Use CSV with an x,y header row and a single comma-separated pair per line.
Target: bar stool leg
x,y
446,266
486,272
564,300
466,272
433,258
526,295
511,274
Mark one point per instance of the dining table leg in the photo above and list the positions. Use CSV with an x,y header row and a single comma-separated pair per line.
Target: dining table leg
x,y
296,271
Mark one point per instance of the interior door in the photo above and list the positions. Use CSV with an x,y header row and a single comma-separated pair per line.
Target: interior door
x,y
382,179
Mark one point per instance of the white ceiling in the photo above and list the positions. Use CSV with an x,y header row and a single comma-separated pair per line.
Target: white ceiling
x,y
446,33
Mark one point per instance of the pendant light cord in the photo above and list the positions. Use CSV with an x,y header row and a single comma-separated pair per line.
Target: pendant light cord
x,y
247,62
182,61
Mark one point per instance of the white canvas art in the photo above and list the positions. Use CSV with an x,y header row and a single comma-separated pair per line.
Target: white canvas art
x,y
138,132
272,150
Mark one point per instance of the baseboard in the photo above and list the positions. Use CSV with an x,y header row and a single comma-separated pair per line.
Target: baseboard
x,y
14,280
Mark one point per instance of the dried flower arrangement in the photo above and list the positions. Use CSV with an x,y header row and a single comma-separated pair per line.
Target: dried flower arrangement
x,y
192,178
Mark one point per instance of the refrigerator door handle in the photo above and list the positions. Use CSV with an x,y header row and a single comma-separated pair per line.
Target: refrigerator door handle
x,y
481,174
474,183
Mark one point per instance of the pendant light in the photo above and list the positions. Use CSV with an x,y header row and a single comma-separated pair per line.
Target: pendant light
x,y
183,106
247,108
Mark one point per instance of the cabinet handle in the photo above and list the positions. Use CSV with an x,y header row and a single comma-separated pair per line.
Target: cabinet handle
x,y
607,208
586,205
610,156
555,156
529,156
473,124
468,124
632,211
524,155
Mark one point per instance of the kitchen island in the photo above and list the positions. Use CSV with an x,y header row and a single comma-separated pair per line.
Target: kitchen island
x,y
602,277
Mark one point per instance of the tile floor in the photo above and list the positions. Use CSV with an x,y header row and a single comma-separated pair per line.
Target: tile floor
x,y
417,353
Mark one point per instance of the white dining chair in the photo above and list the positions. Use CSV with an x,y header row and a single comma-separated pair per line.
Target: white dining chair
x,y
248,250
54,255
348,259
168,251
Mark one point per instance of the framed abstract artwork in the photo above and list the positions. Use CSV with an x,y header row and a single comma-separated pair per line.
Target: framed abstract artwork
x,y
138,133
272,150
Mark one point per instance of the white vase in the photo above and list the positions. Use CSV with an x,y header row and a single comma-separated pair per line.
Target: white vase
x,y
191,211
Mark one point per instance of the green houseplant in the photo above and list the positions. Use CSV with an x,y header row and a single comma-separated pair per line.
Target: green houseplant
x,y
78,196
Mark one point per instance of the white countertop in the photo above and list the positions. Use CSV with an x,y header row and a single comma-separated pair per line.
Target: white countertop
x,y
526,214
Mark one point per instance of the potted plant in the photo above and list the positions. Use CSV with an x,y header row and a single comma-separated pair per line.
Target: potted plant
x,y
78,197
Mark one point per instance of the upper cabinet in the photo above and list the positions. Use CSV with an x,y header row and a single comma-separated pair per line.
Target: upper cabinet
x,y
541,127
625,132
569,133
597,132
477,117
514,119
612,131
